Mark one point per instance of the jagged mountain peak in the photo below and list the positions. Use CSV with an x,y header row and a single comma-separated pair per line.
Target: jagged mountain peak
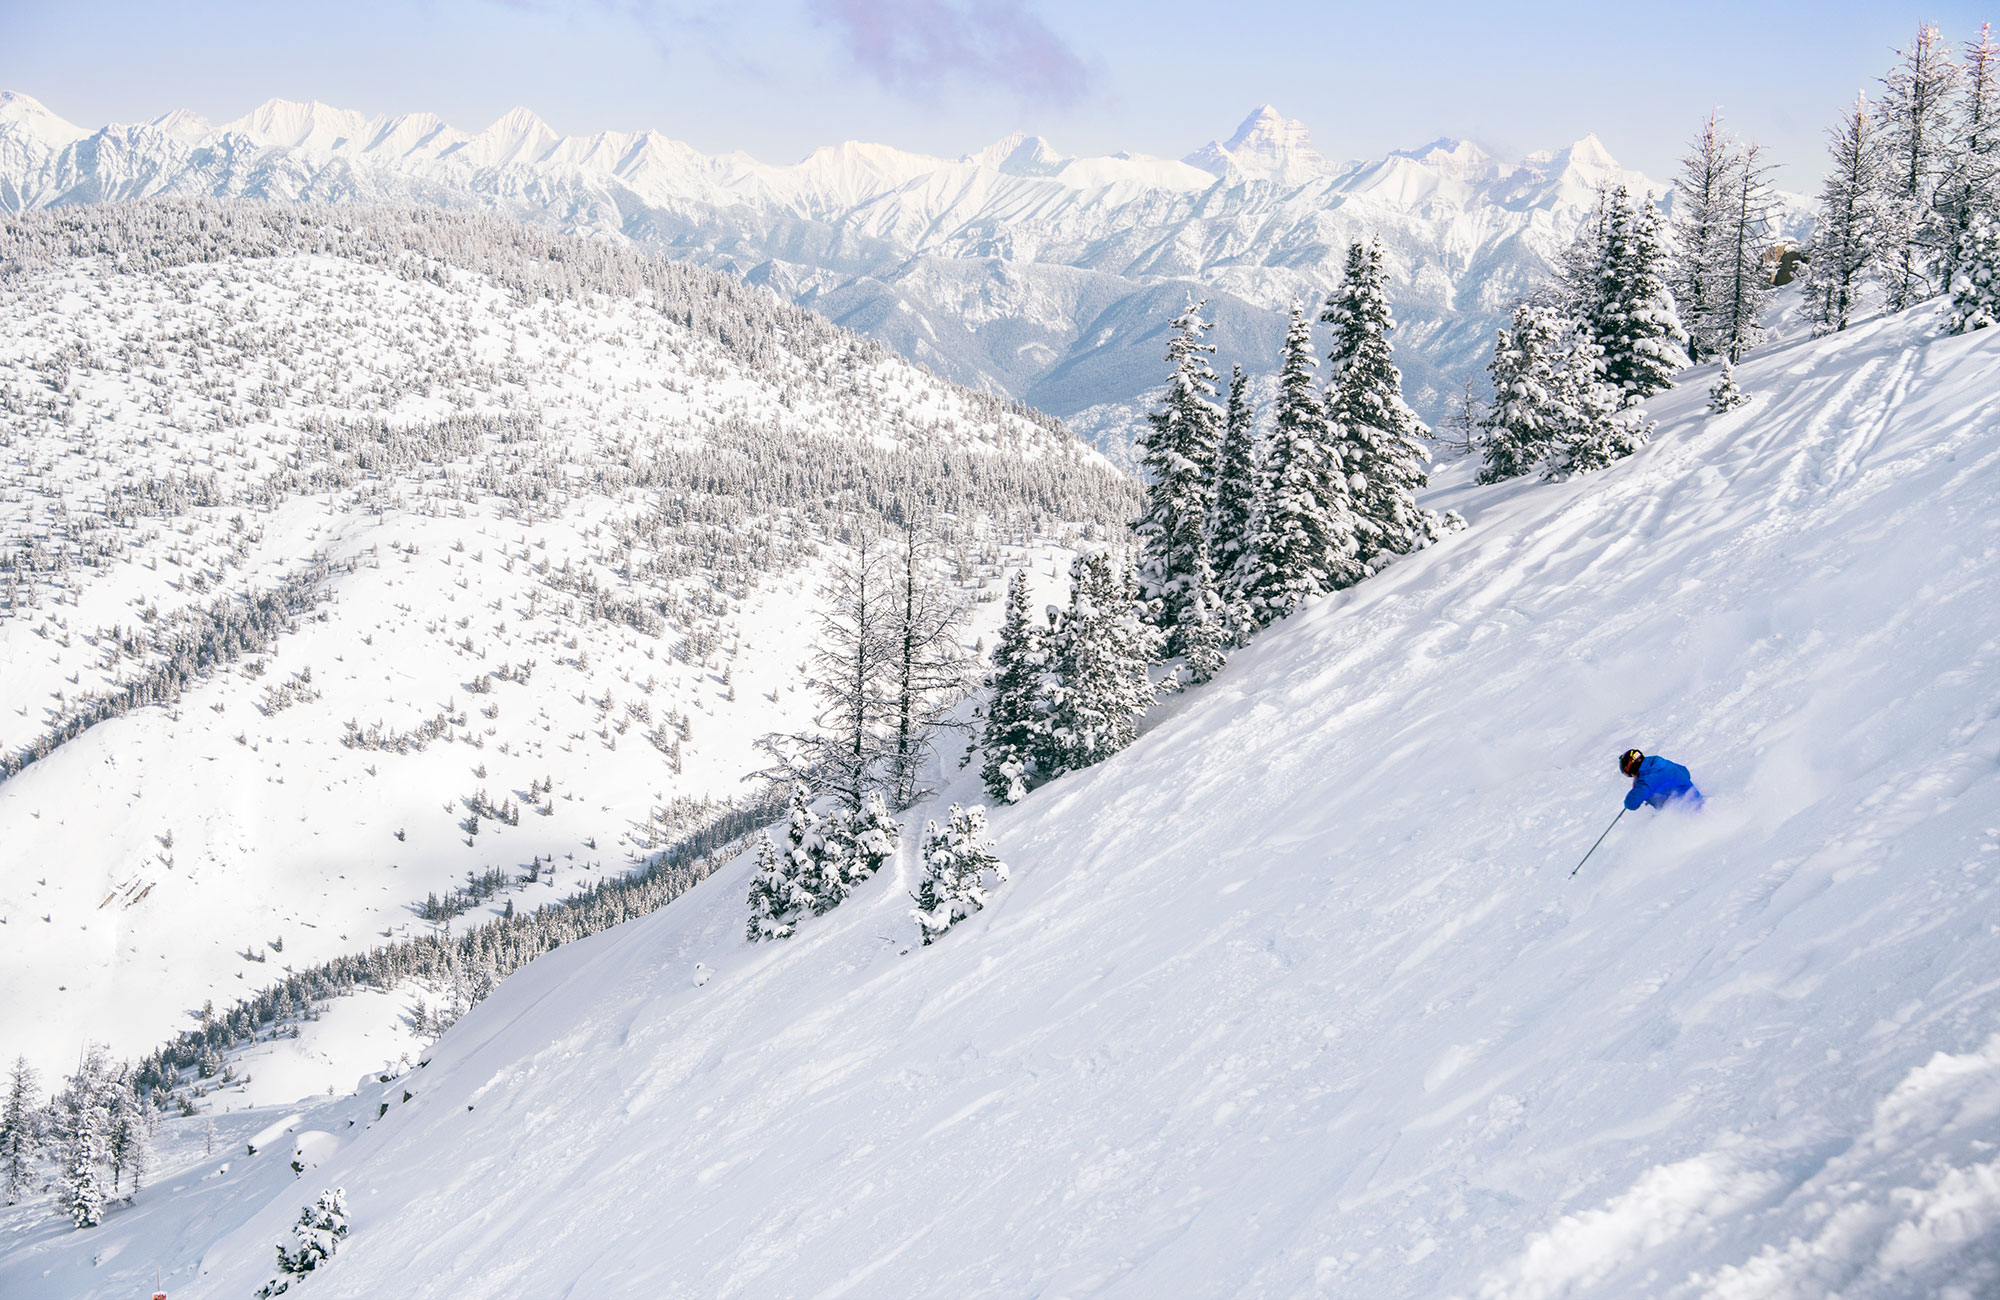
x,y
1266,146
1587,152
183,125
1265,123
517,136
1017,154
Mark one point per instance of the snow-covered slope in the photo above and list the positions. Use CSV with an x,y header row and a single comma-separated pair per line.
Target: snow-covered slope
x,y
545,520
1296,996
1013,269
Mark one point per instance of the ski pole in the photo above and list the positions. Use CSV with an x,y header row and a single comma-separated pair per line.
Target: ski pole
x,y
1593,848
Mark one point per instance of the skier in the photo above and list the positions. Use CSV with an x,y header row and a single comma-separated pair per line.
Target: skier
x,y
1657,781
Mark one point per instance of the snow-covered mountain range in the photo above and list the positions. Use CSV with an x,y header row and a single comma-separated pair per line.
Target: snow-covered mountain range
x,y
1015,269
1298,995
349,554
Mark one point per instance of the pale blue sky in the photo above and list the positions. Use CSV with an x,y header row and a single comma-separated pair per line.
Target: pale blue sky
x,y
777,77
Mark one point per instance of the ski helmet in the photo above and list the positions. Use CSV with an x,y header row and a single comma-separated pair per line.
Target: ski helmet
x,y
1628,762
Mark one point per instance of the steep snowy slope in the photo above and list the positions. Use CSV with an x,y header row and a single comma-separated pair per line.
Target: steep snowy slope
x,y
1012,269
1295,997
441,548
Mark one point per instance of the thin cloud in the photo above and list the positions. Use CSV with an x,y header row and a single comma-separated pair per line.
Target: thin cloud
x,y
918,48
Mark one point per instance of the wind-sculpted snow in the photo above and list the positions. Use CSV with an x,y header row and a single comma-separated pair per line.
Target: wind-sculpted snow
x,y
1295,996
1013,269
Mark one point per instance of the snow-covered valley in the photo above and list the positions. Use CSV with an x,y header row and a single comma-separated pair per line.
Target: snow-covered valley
x,y
1296,996
538,546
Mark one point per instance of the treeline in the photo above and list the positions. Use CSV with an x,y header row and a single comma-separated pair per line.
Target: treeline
x,y
92,1140
466,965
1910,206
86,1143
1243,521
191,645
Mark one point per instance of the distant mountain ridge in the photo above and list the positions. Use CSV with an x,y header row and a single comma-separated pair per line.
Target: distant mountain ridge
x,y
1014,268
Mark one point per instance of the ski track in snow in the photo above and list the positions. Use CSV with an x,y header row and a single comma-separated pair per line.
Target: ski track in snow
x,y
1294,998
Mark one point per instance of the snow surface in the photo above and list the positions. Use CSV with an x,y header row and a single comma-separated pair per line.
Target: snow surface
x,y
1296,996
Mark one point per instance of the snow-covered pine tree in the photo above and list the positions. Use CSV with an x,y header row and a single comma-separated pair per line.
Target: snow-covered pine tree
x,y
1601,428
322,1226
1177,452
1632,314
872,837
852,673
1703,202
1302,538
1972,180
1236,468
1207,630
1975,292
1915,113
930,668
1572,287
1009,733
83,1139
1743,286
812,854
1723,395
1381,438
775,902
20,1132
1530,407
1099,652
1844,242
956,861
1551,407
129,1141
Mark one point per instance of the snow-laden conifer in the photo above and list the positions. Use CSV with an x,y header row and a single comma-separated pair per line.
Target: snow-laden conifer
x,y
1531,407
1009,733
1177,451
957,861
321,1227
1302,537
1724,395
20,1132
1918,95
1971,187
1100,648
129,1139
872,837
1975,291
1381,438
1845,239
1552,409
1601,428
776,900
83,1139
1206,632
811,853
1632,313
1236,483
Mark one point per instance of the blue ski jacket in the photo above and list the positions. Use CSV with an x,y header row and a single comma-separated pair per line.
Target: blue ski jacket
x,y
1659,780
